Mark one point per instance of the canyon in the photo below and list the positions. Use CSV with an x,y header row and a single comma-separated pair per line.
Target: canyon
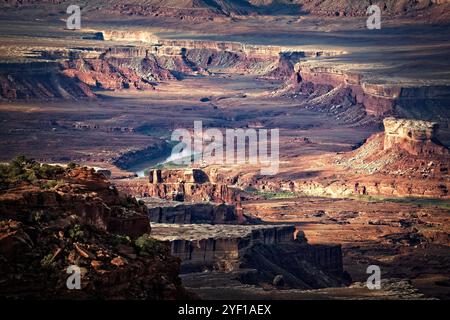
x,y
258,254
406,160
75,73
364,149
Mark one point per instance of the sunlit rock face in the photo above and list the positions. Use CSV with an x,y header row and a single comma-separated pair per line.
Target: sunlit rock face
x,y
178,176
189,185
415,136
120,35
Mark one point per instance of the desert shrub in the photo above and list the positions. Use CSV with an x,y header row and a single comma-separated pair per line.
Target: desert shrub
x,y
46,171
10,174
251,190
37,216
22,162
76,232
72,165
4,176
47,262
22,169
270,195
149,244
31,177
121,239
49,184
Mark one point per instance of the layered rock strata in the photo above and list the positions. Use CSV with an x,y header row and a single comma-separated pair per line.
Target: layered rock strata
x,y
192,185
164,211
377,99
415,136
86,195
78,72
272,250
52,218
406,160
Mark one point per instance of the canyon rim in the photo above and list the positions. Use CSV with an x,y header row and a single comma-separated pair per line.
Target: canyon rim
x,y
224,150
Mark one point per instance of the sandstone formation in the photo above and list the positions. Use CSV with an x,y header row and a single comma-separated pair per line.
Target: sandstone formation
x,y
406,160
35,257
434,9
407,238
52,218
377,99
208,236
85,194
346,195
105,74
75,73
190,185
39,81
120,35
415,136
406,147
177,176
271,250
80,72
165,211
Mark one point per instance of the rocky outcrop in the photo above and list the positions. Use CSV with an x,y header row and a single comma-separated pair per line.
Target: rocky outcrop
x,y
39,81
405,160
36,255
189,192
433,10
181,10
76,73
128,36
272,250
53,218
164,211
82,194
377,99
209,247
229,46
224,11
107,74
405,142
415,136
216,56
197,192
190,185
178,176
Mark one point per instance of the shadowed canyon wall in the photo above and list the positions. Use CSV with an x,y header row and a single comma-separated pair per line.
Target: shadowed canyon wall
x,y
378,99
77,72
269,250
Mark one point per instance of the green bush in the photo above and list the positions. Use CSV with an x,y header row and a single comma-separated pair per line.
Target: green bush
x,y
37,216
76,232
149,244
71,165
49,184
46,171
121,239
47,262
22,169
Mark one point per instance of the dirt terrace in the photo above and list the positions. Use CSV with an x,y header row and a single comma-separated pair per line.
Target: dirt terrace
x,y
407,239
